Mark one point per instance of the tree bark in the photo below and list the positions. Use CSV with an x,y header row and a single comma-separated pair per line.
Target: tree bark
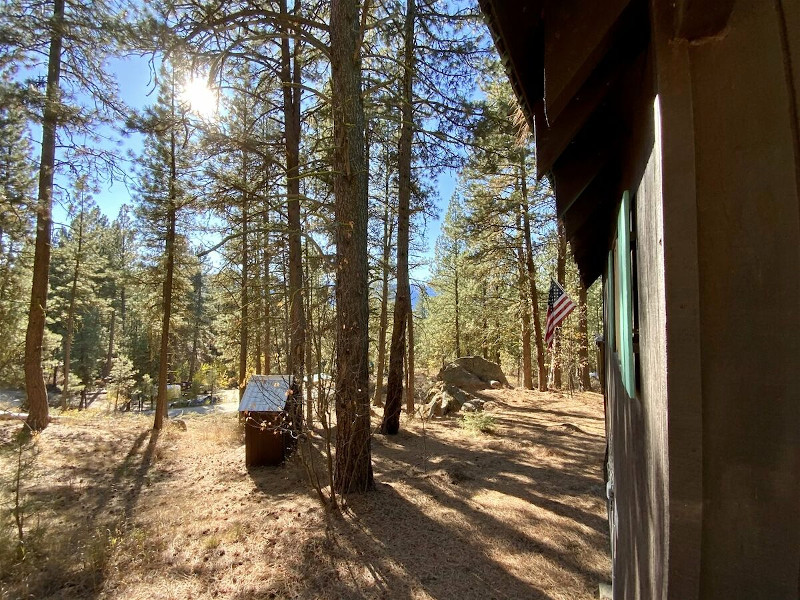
x,y
71,314
309,328
260,304
377,400
410,386
353,469
267,283
402,302
36,392
290,80
163,359
458,309
287,344
485,324
166,295
583,334
244,299
197,313
112,328
531,268
525,312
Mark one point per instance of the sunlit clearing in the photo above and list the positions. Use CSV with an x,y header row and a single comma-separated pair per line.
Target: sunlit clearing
x,y
201,99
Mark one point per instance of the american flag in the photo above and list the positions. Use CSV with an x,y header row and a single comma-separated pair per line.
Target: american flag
x,y
559,305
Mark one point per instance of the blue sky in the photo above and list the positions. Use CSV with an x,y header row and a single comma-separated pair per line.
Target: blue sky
x,y
133,76
136,89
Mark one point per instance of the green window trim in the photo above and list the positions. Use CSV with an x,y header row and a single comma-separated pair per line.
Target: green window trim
x,y
611,336
625,286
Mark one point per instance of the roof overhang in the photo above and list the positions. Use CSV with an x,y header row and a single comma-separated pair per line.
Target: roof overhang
x,y
577,68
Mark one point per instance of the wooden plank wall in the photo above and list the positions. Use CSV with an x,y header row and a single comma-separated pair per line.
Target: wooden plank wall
x,y
639,523
652,362
638,426
747,185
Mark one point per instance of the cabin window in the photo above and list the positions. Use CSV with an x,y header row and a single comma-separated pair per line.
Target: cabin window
x,y
622,297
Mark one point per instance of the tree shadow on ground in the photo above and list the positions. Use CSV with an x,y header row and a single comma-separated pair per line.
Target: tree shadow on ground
x,y
80,514
434,527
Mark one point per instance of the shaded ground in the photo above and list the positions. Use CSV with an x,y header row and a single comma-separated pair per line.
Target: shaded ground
x,y
114,512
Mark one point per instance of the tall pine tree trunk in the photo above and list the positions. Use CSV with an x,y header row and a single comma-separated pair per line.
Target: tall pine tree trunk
x,y
112,329
243,328
290,80
307,343
458,311
196,324
36,392
166,295
525,317
76,271
267,284
485,324
286,304
163,358
353,468
531,269
259,288
410,385
377,400
524,311
583,334
402,302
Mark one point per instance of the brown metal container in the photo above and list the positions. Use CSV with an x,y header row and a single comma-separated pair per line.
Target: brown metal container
x,y
263,410
264,443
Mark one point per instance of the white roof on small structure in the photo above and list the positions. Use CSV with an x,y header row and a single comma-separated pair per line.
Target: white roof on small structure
x,y
266,393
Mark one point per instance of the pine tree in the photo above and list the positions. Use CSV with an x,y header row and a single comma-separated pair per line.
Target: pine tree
x,y
38,411
163,193
353,469
402,304
16,199
74,59
77,270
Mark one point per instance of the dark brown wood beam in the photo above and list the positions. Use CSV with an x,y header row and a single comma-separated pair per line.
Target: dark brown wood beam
x,y
577,35
572,177
695,19
590,244
604,190
553,136
598,142
516,29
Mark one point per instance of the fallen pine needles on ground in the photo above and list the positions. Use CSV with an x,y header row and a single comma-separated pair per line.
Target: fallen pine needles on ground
x,y
112,510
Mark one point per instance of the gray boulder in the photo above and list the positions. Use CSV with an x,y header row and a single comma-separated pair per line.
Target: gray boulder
x,y
456,375
473,372
443,399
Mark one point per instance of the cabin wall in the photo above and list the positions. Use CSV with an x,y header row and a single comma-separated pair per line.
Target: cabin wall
x,y
638,425
652,359
747,160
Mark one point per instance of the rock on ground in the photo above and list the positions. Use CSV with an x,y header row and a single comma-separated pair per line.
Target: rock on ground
x,y
473,372
444,399
451,393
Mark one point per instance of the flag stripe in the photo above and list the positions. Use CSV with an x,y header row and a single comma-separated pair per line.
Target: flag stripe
x,y
564,310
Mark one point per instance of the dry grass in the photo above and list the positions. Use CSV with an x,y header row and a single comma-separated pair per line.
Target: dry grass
x,y
114,512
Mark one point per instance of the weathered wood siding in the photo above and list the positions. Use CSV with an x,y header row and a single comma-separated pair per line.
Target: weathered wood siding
x,y
638,426
652,363
744,86
707,456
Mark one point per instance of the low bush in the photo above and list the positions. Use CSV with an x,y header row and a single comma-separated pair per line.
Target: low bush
x,y
478,422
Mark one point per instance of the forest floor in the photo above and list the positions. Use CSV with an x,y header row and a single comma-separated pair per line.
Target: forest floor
x,y
112,511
